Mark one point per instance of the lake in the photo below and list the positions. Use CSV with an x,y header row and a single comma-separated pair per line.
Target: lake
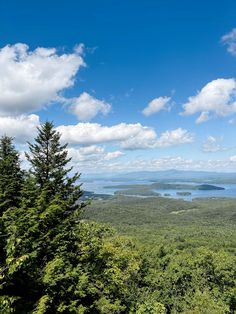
x,y
98,187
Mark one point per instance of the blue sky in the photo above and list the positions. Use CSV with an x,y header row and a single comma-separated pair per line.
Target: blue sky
x,y
101,63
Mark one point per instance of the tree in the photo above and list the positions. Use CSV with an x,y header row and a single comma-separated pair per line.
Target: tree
x,y
11,176
11,180
49,160
150,307
204,303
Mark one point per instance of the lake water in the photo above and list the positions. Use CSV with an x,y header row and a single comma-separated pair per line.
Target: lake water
x,y
98,187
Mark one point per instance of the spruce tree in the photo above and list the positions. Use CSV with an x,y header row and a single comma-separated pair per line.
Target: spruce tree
x,y
49,161
11,175
11,180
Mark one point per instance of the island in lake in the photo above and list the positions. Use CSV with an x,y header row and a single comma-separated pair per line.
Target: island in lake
x,y
183,193
154,188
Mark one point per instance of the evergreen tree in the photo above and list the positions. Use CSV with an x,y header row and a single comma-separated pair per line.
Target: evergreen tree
x,y
49,160
11,176
11,180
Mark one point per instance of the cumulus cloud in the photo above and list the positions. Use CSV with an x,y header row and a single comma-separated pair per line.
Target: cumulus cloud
x,y
229,40
86,107
128,136
156,105
217,97
92,155
94,133
30,80
22,128
174,137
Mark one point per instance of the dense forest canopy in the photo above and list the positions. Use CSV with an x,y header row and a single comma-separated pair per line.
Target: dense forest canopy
x,y
56,259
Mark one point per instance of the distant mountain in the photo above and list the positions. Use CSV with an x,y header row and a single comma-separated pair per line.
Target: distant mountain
x,y
167,175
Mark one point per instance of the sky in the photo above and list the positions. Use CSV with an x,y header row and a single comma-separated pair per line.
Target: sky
x,y
130,85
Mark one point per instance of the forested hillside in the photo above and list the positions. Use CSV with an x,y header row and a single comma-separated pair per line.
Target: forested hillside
x,y
189,248
60,254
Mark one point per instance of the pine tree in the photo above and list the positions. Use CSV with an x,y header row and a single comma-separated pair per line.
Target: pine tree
x,y
11,180
49,160
11,176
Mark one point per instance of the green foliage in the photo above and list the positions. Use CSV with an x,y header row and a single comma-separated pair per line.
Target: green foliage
x,y
184,272
11,176
6,303
11,180
204,303
150,307
97,278
90,270
189,247
49,161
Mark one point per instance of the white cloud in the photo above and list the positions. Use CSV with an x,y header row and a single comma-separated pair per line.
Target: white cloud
x,y
217,97
91,155
87,150
174,137
30,80
233,158
79,49
156,105
21,128
229,40
93,133
113,155
128,136
86,107
138,137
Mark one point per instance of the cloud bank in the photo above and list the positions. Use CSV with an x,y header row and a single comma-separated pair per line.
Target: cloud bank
x,y
162,163
128,136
